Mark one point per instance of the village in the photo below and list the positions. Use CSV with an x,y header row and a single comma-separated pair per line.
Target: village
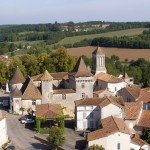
x,y
111,112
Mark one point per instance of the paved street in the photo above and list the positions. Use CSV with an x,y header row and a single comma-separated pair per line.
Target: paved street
x,y
22,138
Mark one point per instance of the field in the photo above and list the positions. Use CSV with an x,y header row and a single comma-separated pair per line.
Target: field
x,y
129,32
123,53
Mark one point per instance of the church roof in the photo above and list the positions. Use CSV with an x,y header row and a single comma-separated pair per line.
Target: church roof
x,y
98,51
18,77
30,91
45,76
81,70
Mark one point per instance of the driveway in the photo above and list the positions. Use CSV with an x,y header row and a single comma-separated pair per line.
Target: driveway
x,y
21,137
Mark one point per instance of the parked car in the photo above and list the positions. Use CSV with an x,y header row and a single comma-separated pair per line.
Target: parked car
x,y
26,119
85,133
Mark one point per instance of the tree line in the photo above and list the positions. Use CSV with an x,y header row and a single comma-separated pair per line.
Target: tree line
x,y
59,61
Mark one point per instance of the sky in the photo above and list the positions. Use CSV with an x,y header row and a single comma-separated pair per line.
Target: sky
x,y
49,11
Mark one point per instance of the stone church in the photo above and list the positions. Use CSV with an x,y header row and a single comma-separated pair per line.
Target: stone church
x,y
64,87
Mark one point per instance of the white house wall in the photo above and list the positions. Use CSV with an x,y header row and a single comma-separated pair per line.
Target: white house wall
x,y
114,87
3,132
84,117
110,142
111,110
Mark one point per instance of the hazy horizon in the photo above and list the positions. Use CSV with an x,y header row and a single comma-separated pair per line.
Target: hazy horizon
x,y
48,11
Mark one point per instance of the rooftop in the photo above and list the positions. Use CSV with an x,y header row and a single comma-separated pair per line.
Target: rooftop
x,y
50,111
110,125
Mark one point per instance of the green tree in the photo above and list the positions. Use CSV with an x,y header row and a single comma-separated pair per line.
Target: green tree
x,y
96,147
146,136
3,72
56,137
61,60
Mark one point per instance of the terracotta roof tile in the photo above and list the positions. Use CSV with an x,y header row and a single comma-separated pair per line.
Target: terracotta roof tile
x,y
138,141
81,70
106,101
107,78
145,95
45,76
63,91
102,102
16,93
50,111
30,91
88,101
110,125
18,77
132,110
144,119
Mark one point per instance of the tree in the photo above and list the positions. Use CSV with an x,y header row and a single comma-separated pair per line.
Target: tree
x,y
61,60
22,109
96,147
3,72
56,137
146,136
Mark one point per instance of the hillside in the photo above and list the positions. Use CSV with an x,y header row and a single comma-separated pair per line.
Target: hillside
x,y
128,32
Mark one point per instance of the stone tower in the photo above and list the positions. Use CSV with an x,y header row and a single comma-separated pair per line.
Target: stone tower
x,y
81,80
98,60
46,87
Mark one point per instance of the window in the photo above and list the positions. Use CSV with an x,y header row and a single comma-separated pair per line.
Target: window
x,y
115,89
83,85
83,95
33,102
63,96
118,146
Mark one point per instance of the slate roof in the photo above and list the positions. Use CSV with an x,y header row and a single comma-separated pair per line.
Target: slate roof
x,y
132,110
17,77
30,91
110,125
63,91
16,93
98,51
45,76
50,111
81,70
144,119
107,78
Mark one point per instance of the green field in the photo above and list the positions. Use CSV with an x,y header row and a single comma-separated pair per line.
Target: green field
x,y
129,32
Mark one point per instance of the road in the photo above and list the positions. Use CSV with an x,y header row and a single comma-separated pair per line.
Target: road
x,y
21,137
